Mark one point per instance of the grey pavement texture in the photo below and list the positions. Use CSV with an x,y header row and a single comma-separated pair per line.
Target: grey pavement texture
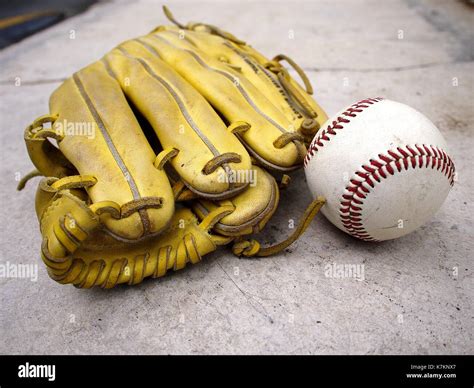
x,y
417,296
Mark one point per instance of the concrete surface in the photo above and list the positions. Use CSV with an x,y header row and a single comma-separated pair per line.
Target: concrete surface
x,y
417,292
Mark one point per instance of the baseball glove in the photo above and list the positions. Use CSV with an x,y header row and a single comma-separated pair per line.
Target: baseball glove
x,y
164,152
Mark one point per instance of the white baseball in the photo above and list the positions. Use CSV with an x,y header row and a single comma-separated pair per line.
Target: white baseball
x,y
383,168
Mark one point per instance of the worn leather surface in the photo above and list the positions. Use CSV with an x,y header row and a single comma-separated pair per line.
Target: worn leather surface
x,y
189,114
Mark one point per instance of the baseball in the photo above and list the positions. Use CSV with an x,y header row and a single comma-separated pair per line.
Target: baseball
x,y
383,168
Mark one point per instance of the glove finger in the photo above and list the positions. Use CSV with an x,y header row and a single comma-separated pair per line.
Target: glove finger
x,y
252,209
182,120
272,138
305,114
257,69
100,136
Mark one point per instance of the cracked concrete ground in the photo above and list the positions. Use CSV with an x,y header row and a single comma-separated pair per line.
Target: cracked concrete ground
x,y
417,295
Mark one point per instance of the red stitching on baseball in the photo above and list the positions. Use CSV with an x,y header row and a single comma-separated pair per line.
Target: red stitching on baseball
x,y
338,123
424,156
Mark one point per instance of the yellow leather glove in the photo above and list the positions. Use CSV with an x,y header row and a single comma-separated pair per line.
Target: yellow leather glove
x,y
174,116
78,248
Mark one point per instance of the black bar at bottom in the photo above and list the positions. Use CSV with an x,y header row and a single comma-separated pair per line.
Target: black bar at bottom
x,y
321,371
